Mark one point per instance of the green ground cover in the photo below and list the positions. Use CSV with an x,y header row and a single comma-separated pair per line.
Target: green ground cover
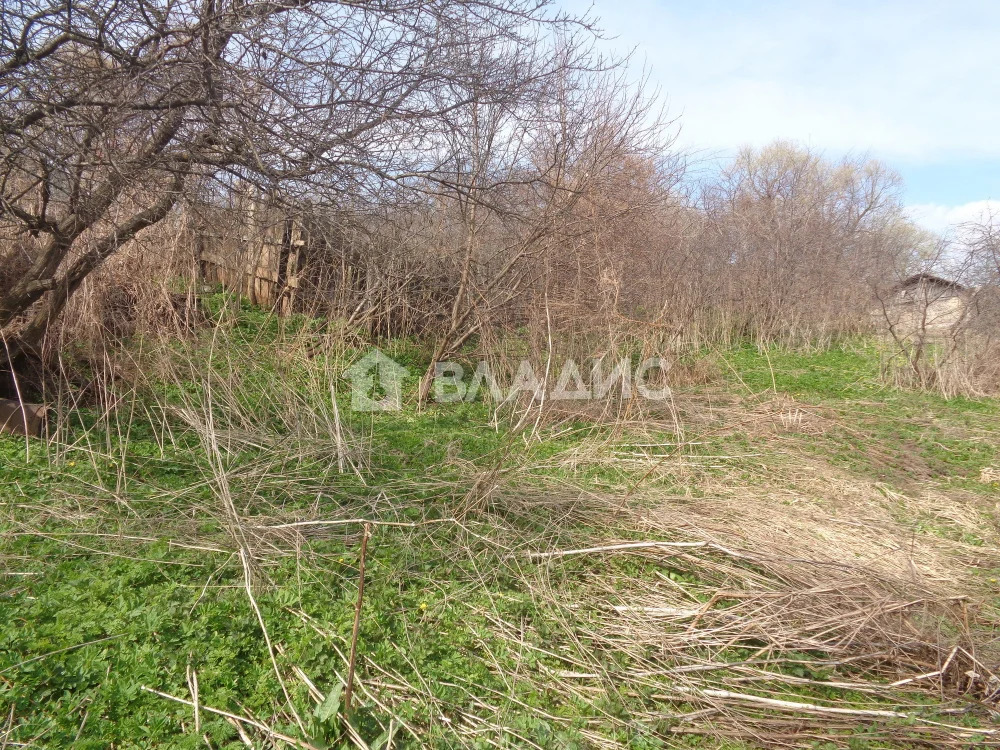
x,y
137,549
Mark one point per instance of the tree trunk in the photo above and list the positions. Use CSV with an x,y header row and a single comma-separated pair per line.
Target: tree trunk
x,y
24,347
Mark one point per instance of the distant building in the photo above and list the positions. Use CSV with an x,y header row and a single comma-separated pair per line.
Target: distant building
x,y
927,303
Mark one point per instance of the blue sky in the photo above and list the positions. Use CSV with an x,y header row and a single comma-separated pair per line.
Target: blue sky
x,y
915,84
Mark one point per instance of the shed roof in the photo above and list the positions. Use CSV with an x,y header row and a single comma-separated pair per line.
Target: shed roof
x,y
929,278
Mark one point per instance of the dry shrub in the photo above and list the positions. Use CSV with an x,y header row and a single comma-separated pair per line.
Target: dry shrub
x,y
145,290
967,364
15,258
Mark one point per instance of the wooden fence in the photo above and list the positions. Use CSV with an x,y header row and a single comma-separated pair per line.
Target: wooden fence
x,y
261,259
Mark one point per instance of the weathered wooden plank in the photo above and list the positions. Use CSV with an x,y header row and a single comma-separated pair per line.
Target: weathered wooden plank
x,y
16,419
265,263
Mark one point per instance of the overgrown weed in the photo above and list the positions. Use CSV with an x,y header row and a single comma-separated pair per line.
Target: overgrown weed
x,y
659,579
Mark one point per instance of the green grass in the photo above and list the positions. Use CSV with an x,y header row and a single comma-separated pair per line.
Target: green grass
x,y
87,623
887,433
88,617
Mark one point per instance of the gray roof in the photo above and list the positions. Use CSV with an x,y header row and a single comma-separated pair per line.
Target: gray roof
x,y
929,278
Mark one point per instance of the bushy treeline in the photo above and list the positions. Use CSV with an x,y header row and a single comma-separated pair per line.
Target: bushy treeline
x,y
456,170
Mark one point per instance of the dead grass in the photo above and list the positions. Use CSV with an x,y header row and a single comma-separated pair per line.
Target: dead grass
x,y
754,597
790,602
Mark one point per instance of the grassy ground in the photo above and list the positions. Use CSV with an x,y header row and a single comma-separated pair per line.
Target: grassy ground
x,y
819,537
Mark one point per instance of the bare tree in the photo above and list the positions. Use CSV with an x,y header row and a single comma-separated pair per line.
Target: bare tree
x,y
802,239
109,110
519,170
941,312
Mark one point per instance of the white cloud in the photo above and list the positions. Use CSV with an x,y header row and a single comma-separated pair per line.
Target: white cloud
x,y
941,219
